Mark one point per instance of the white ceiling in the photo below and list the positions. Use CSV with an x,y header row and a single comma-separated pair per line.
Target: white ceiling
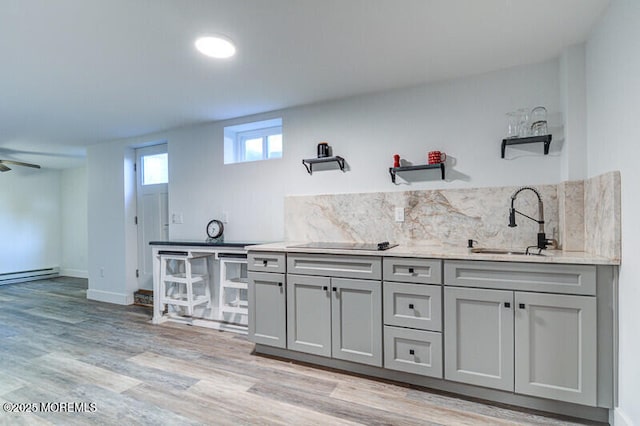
x,y
78,72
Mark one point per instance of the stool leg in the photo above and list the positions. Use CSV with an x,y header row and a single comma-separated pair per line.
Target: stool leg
x,y
160,307
187,266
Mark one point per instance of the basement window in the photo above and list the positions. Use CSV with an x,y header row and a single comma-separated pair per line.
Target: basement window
x,y
255,141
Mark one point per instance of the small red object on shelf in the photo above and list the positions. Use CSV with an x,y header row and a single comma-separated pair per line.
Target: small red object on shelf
x,y
396,160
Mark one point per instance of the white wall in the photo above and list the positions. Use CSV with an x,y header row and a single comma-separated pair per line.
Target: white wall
x,y
73,206
465,118
29,219
613,108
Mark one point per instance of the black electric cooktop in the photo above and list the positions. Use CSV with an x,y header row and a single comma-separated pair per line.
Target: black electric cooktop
x,y
385,245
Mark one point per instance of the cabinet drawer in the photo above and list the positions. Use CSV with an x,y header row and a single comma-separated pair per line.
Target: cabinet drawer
x,y
412,270
547,278
366,267
413,305
413,351
266,262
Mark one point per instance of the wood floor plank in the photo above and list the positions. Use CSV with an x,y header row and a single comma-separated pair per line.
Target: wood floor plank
x,y
88,373
393,399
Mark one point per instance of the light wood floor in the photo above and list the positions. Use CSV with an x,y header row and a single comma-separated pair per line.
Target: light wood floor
x,y
57,346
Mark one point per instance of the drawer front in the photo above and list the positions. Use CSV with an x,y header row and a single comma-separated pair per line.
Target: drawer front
x,y
413,351
413,305
266,262
412,270
547,278
365,267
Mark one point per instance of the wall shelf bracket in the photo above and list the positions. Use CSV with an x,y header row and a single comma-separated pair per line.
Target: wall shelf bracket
x,y
545,139
309,162
394,170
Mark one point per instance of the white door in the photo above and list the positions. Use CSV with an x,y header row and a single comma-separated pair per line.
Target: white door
x,y
153,206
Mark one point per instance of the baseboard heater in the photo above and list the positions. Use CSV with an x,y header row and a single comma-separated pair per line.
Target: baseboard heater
x,y
32,275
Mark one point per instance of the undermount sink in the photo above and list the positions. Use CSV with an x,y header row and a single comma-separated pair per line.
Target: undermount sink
x,y
503,251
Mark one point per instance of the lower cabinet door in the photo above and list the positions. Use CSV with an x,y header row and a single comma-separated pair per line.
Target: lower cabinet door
x,y
556,347
478,337
413,351
267,310
309,314
356,320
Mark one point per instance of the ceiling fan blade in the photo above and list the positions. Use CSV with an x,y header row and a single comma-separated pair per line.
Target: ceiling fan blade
x,y
4,168
18,163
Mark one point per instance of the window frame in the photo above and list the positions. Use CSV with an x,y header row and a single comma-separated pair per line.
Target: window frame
x,y
236,137
242,137
143,167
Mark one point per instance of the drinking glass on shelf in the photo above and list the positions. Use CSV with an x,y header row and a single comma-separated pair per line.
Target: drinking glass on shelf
x,y
539,121
523,123
512,124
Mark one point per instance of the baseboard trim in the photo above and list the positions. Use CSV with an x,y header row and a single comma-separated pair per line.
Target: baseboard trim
x,y
620,418
109,297
75,273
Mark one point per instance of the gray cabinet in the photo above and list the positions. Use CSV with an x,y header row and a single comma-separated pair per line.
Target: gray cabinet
x,y
309,314
531,343
412,270
267,310
413,351
413,315
335,317
555,347
413,305
356,320
331,265
266,262
478,337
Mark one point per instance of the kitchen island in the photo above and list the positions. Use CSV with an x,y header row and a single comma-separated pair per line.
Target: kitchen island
x,y
528,330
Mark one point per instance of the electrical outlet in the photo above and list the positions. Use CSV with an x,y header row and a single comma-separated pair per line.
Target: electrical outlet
x,y
399,214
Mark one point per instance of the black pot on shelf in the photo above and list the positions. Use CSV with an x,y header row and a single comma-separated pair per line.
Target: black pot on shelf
x,y
323,150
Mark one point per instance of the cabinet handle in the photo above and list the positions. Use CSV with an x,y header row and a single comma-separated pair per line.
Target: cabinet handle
x,y
411,270
410,305
412,352
264,263
507,304
325,288
335,288
279,284
522,306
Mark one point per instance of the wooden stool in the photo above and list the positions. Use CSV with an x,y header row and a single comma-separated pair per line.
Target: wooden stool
x,y
178,281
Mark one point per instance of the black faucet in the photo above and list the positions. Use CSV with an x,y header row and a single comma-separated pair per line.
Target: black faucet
x,y
543,242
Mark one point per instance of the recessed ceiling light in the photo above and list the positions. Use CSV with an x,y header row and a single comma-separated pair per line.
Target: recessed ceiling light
x,y
216,47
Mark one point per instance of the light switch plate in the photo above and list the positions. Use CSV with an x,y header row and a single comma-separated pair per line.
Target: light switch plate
x,y
399,214
177,218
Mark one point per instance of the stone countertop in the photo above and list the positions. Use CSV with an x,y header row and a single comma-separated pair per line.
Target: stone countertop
x,y
447,252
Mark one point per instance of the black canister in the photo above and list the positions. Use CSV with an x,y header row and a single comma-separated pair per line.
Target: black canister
x,y
323,149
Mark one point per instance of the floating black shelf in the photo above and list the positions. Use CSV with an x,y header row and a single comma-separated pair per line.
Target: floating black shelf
x,y
394,170
309,162
545,139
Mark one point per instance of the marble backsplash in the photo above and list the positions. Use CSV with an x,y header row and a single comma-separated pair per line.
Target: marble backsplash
x,y
602,216
453,216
